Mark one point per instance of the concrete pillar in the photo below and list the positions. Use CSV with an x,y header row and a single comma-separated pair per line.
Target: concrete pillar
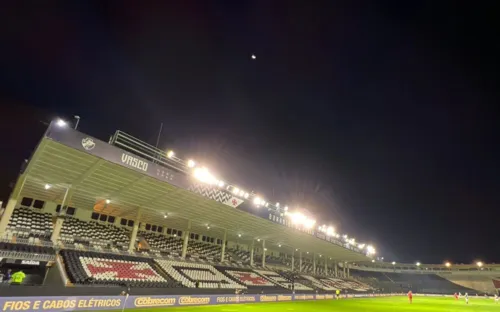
x,y
251,252
300,261
314,263
135,229
186,240
293,261
57,229
344,267
335,268
223,249
326,267
263,253
348,271
11,204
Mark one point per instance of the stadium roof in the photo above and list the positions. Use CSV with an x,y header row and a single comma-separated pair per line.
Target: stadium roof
x,y
98,172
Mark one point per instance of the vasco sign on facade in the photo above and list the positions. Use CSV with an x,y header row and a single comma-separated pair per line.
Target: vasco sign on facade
x,y
134,162
88,144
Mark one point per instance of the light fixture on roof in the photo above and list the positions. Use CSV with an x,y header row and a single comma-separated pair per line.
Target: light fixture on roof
x,y
309,223
61,123
278,205
267,204
108,201
286,208
296,249
308,252
265,249
205,176
170,154
221,183
418,264
279,245
208,227
257,200
373,260
361,246
246,195
393,262
236,190
175,235
242,193
47,186
165,216
258,239
479,264
191,163
239,235
447,264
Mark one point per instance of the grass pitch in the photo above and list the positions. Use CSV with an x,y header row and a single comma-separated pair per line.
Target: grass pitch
x,y
427,304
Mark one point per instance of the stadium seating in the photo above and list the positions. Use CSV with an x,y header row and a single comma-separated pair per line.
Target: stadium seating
x,y
252,280
90,268
190,273
282,281
93,233
25,222
28,248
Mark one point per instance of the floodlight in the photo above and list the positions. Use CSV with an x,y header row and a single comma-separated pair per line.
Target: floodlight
x,y
479,264
278,205
236,190
61,123
191,163
47,186
286,208
170,154
246,195
330,231
242,192
373,260
447,264
258,239
361,246
221,183
279,245
165,216
108,201
393,262
418,263
204,176
309,223
257,200
239,235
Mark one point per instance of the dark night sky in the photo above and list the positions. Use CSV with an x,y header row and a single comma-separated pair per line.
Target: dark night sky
x,y
380,118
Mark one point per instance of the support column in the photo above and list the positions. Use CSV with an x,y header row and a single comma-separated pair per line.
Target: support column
x,y
57,229
223,249
263,253
335,267
344,267
348,271
11,204
314,263
326,266
251,252
293,261
135,229
300,261
186,240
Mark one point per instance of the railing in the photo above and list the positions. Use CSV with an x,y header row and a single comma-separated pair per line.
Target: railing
x,y
143,149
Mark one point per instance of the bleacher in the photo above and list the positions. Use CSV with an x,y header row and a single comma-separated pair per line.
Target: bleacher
x,y
90,268
25,223
282,280
251,279
189,274
93,234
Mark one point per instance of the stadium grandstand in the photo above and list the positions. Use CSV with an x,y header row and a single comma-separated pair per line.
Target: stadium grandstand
x,y
88,217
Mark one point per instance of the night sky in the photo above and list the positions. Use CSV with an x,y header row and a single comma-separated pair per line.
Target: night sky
x,y
379,117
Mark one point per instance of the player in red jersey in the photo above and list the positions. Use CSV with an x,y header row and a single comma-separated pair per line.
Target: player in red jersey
x,y
410,296
456,296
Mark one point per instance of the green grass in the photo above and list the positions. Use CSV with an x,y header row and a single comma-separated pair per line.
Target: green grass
x,y
426,304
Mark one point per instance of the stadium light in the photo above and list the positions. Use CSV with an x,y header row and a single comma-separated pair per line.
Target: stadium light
x,y
221,183
258,239
308,252
479,264
296,249
278,205
208,227
330,231
239,235
191,163
373,260
165,216
418,264
170,154
236,190
279,245
265,249
286,208
203,175
309,223
61,123
108,201
361,246
47,186
257,200
447,264
242,193
393,262
370,250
